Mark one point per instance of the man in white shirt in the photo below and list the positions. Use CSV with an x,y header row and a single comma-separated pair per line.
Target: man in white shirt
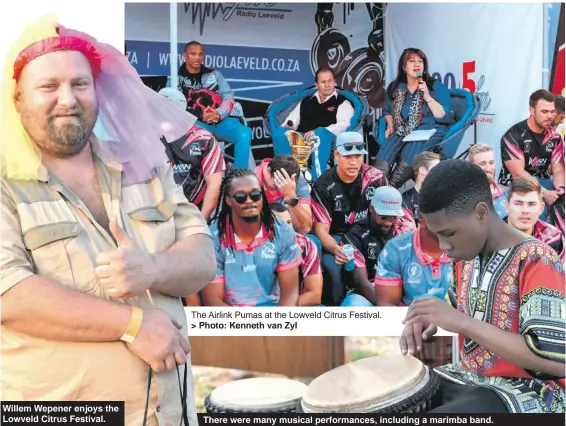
x,y
325,114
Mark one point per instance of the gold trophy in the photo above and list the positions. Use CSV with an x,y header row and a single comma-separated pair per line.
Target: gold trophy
x,y
301,150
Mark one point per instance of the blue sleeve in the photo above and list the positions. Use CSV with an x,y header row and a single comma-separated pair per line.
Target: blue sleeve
x,y
227,95
387,104
288,249
303,189
219,254
388,270
442,96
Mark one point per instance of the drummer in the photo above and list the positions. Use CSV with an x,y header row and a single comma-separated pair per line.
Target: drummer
x,y
511,314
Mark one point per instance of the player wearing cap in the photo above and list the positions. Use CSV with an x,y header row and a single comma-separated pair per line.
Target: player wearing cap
x,y
340,198
197,161
369,237
412,266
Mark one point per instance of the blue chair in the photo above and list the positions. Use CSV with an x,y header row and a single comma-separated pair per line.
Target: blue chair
x,y
466,107
282,107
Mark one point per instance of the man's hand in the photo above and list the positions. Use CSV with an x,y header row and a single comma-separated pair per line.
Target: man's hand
x,y
388,131
127,271
550,197
286,184
209,116
309,135
411,341
431,310
339,256
159,342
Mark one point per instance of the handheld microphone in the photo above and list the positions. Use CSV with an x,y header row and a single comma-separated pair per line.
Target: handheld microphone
x,y
420,77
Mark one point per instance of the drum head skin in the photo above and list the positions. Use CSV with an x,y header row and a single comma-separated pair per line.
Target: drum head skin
x,y
367,385
258,394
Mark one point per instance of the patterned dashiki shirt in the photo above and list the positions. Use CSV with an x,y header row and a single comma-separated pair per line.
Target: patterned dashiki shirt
x,y
520,290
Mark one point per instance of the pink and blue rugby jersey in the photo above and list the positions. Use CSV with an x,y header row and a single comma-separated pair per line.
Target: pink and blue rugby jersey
x,y
402,262
249,272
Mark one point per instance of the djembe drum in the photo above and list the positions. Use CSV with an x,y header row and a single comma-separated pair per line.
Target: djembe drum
x,y
382,384
256,395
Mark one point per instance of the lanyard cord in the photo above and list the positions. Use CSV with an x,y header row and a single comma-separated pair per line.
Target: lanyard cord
x,y
182,391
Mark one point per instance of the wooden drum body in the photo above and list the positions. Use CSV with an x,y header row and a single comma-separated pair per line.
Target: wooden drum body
x,y
382,384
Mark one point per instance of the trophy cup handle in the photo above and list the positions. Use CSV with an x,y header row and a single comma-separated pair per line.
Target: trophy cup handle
x,y
315,141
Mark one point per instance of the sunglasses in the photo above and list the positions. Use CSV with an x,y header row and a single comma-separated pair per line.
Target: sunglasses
x,y
241,197
389,218
349,146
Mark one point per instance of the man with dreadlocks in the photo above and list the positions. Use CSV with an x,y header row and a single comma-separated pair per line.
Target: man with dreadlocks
x,y
510,314
257,255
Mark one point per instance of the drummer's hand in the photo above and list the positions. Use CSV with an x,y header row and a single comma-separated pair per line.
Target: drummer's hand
x,y
431,310
411,341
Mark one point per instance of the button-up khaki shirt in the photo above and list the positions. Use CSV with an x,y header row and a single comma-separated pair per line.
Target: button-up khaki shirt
x,y
46,230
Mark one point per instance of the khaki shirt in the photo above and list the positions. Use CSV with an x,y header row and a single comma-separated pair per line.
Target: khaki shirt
x,y
46,230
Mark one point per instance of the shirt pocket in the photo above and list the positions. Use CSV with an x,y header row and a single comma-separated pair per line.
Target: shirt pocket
x,y
47,244
153,225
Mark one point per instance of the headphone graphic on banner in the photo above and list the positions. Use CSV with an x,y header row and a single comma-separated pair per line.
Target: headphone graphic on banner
x,y
360,71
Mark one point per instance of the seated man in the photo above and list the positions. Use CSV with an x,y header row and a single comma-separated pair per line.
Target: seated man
x,y
325,114
211,100
534,150
310,274
510,316
412,266
196,160
369,238
423,162
282,182
257,255
340,198
483,155
524,207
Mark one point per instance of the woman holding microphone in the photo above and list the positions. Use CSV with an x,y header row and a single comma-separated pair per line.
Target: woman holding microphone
x,y
413,101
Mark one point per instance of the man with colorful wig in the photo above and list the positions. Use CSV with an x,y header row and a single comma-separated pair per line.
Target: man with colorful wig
x,y
98,243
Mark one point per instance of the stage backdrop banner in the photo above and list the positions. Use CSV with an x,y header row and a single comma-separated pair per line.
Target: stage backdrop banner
x,y
266,50
494,50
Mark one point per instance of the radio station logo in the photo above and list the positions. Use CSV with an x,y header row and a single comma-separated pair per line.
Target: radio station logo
x,y
202,12
472,82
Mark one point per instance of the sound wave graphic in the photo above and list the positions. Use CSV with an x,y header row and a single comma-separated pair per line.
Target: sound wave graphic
x,y
203,11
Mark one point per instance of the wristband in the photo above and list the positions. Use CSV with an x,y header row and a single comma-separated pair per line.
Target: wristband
x,y
429,100
134,325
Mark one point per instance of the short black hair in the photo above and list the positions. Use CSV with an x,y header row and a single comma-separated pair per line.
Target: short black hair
x,y
286,162
541,94
191,43
278,207
456,187
559,104
323,70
